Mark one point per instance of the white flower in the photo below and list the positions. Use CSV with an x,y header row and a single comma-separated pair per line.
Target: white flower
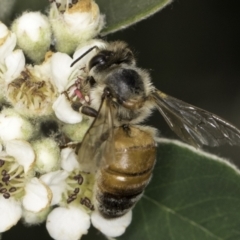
x,y
13,126
68,223
32,93
7,42
33,33
72,190
70,186
14,172
11,212
74,23
56,181
37,196
113,227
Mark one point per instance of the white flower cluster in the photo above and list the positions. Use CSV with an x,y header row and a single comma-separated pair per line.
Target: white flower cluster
x,y
41,178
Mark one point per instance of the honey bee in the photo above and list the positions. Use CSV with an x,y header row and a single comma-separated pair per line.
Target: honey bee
x,y
117,147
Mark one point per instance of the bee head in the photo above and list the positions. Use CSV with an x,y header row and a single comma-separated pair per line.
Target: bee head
x,y
115,68
116,54
126,86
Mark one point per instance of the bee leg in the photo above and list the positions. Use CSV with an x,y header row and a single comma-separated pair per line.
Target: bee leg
x,y
89,111
78,107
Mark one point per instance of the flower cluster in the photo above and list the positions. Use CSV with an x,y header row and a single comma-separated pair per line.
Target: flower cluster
x,y
41,178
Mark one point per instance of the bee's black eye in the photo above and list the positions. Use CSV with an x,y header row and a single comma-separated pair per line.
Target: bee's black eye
x,y
100,59
97,60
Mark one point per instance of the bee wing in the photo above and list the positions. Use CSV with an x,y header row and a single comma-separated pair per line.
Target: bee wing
x,y
98,143
194,125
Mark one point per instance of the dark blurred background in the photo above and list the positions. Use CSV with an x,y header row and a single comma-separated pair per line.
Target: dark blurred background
x,y
192,50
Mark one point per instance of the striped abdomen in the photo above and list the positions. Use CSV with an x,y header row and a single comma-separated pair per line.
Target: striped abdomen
x,y
121,184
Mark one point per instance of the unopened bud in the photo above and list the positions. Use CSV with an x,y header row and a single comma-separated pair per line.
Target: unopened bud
x,y
33,33
75,23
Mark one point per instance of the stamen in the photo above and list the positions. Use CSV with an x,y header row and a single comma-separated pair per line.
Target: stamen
x,y
12,189
19,170
1,162
13,167
3,190
16,192
6,195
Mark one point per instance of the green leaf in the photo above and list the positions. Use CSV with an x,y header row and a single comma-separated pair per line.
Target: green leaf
x,y
5,10
192,196
121,14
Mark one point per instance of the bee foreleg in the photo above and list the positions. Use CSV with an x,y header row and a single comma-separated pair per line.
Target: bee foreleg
x,y
78,107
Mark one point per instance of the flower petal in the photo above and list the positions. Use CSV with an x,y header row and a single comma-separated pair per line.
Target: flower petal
x,y
31,24
15,63
68,223
22,152
7,42
61,70
11,212
113,227
69,160
64,111
56,182
38,196
47,155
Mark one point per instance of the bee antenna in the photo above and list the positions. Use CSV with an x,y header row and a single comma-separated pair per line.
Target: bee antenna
x,y
76,60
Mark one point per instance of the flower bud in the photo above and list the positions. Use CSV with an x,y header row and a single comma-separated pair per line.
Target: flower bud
x,y
47,155
73,222
76,131
33,33
75,23
13,126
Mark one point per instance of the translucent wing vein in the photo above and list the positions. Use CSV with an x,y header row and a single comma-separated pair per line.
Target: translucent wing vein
x,y
194,125
98,142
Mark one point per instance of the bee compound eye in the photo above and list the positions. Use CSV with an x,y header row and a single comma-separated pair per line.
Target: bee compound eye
x,y
97,60
101,58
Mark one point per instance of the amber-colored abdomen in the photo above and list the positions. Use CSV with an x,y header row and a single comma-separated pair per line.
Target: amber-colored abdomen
x,y
120,185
